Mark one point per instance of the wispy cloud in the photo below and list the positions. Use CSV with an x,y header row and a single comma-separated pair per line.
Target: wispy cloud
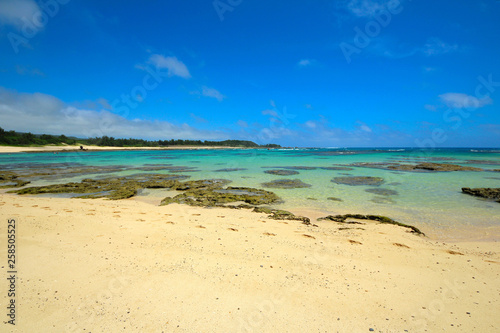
x,y
213,93
436,46
305,62
394,49
198,119
367,8
174,66
22,70
41,113
461,101
14,12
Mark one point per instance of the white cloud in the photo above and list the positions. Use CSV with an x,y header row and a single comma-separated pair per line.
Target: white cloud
x,y
436,46
22,70
367,8
41,113
174,66
210,92
364,127
430,107
242,123
460,101
305,62
198,119
12,12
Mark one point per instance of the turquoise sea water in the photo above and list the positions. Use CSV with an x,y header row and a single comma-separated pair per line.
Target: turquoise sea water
x,y
430,200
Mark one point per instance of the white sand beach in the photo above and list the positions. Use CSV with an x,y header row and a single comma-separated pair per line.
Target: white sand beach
x,y
111,266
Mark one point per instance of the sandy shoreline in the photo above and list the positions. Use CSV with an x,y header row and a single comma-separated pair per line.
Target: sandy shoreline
x,y
100,265
50,149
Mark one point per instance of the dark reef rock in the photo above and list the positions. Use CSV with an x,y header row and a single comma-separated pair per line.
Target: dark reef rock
x,y
282,172
487,193
277,214
337,168
381,191
286,184
216,197
291,167
111,188
334,199
9,179
383,200
204,184
230,170
419,167
356,181
382,219
483,162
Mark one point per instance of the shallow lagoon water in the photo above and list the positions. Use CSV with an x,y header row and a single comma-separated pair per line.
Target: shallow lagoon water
x,y
431,200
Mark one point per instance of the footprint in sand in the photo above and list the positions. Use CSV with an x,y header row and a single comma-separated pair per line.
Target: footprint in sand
x,y
401,245
308,236
169,222
232,229
355,242
269,234
116,216
140,220
200,226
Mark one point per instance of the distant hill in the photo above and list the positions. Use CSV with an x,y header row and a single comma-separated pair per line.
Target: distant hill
x,y
12,138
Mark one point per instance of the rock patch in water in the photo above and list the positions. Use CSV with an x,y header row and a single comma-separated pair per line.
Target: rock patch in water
x,y
111,188
381,191
282,172
286,184
230,170
216,197
9,179
357,180
337,168
487,193
419,167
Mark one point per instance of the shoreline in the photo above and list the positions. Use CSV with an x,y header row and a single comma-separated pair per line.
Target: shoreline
x,y
69,149
93,264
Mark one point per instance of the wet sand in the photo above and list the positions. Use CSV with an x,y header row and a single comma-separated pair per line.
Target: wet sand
x,y
108,266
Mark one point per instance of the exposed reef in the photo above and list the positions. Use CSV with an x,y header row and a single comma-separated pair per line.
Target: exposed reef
x,y
286,184
218,196
9,179
277,214
282,172
378,218
230,170
356,180
419,167
487,193
111,188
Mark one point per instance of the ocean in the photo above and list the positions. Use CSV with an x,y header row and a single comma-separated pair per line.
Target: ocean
x,y
432,201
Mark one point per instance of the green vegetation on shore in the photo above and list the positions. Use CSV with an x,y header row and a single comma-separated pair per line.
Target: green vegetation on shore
x,y
12,138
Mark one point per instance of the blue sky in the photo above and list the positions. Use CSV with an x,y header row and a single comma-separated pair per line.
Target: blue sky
x,y
347,73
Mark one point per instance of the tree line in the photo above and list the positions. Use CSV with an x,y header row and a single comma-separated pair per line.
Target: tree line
x,y
13,138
